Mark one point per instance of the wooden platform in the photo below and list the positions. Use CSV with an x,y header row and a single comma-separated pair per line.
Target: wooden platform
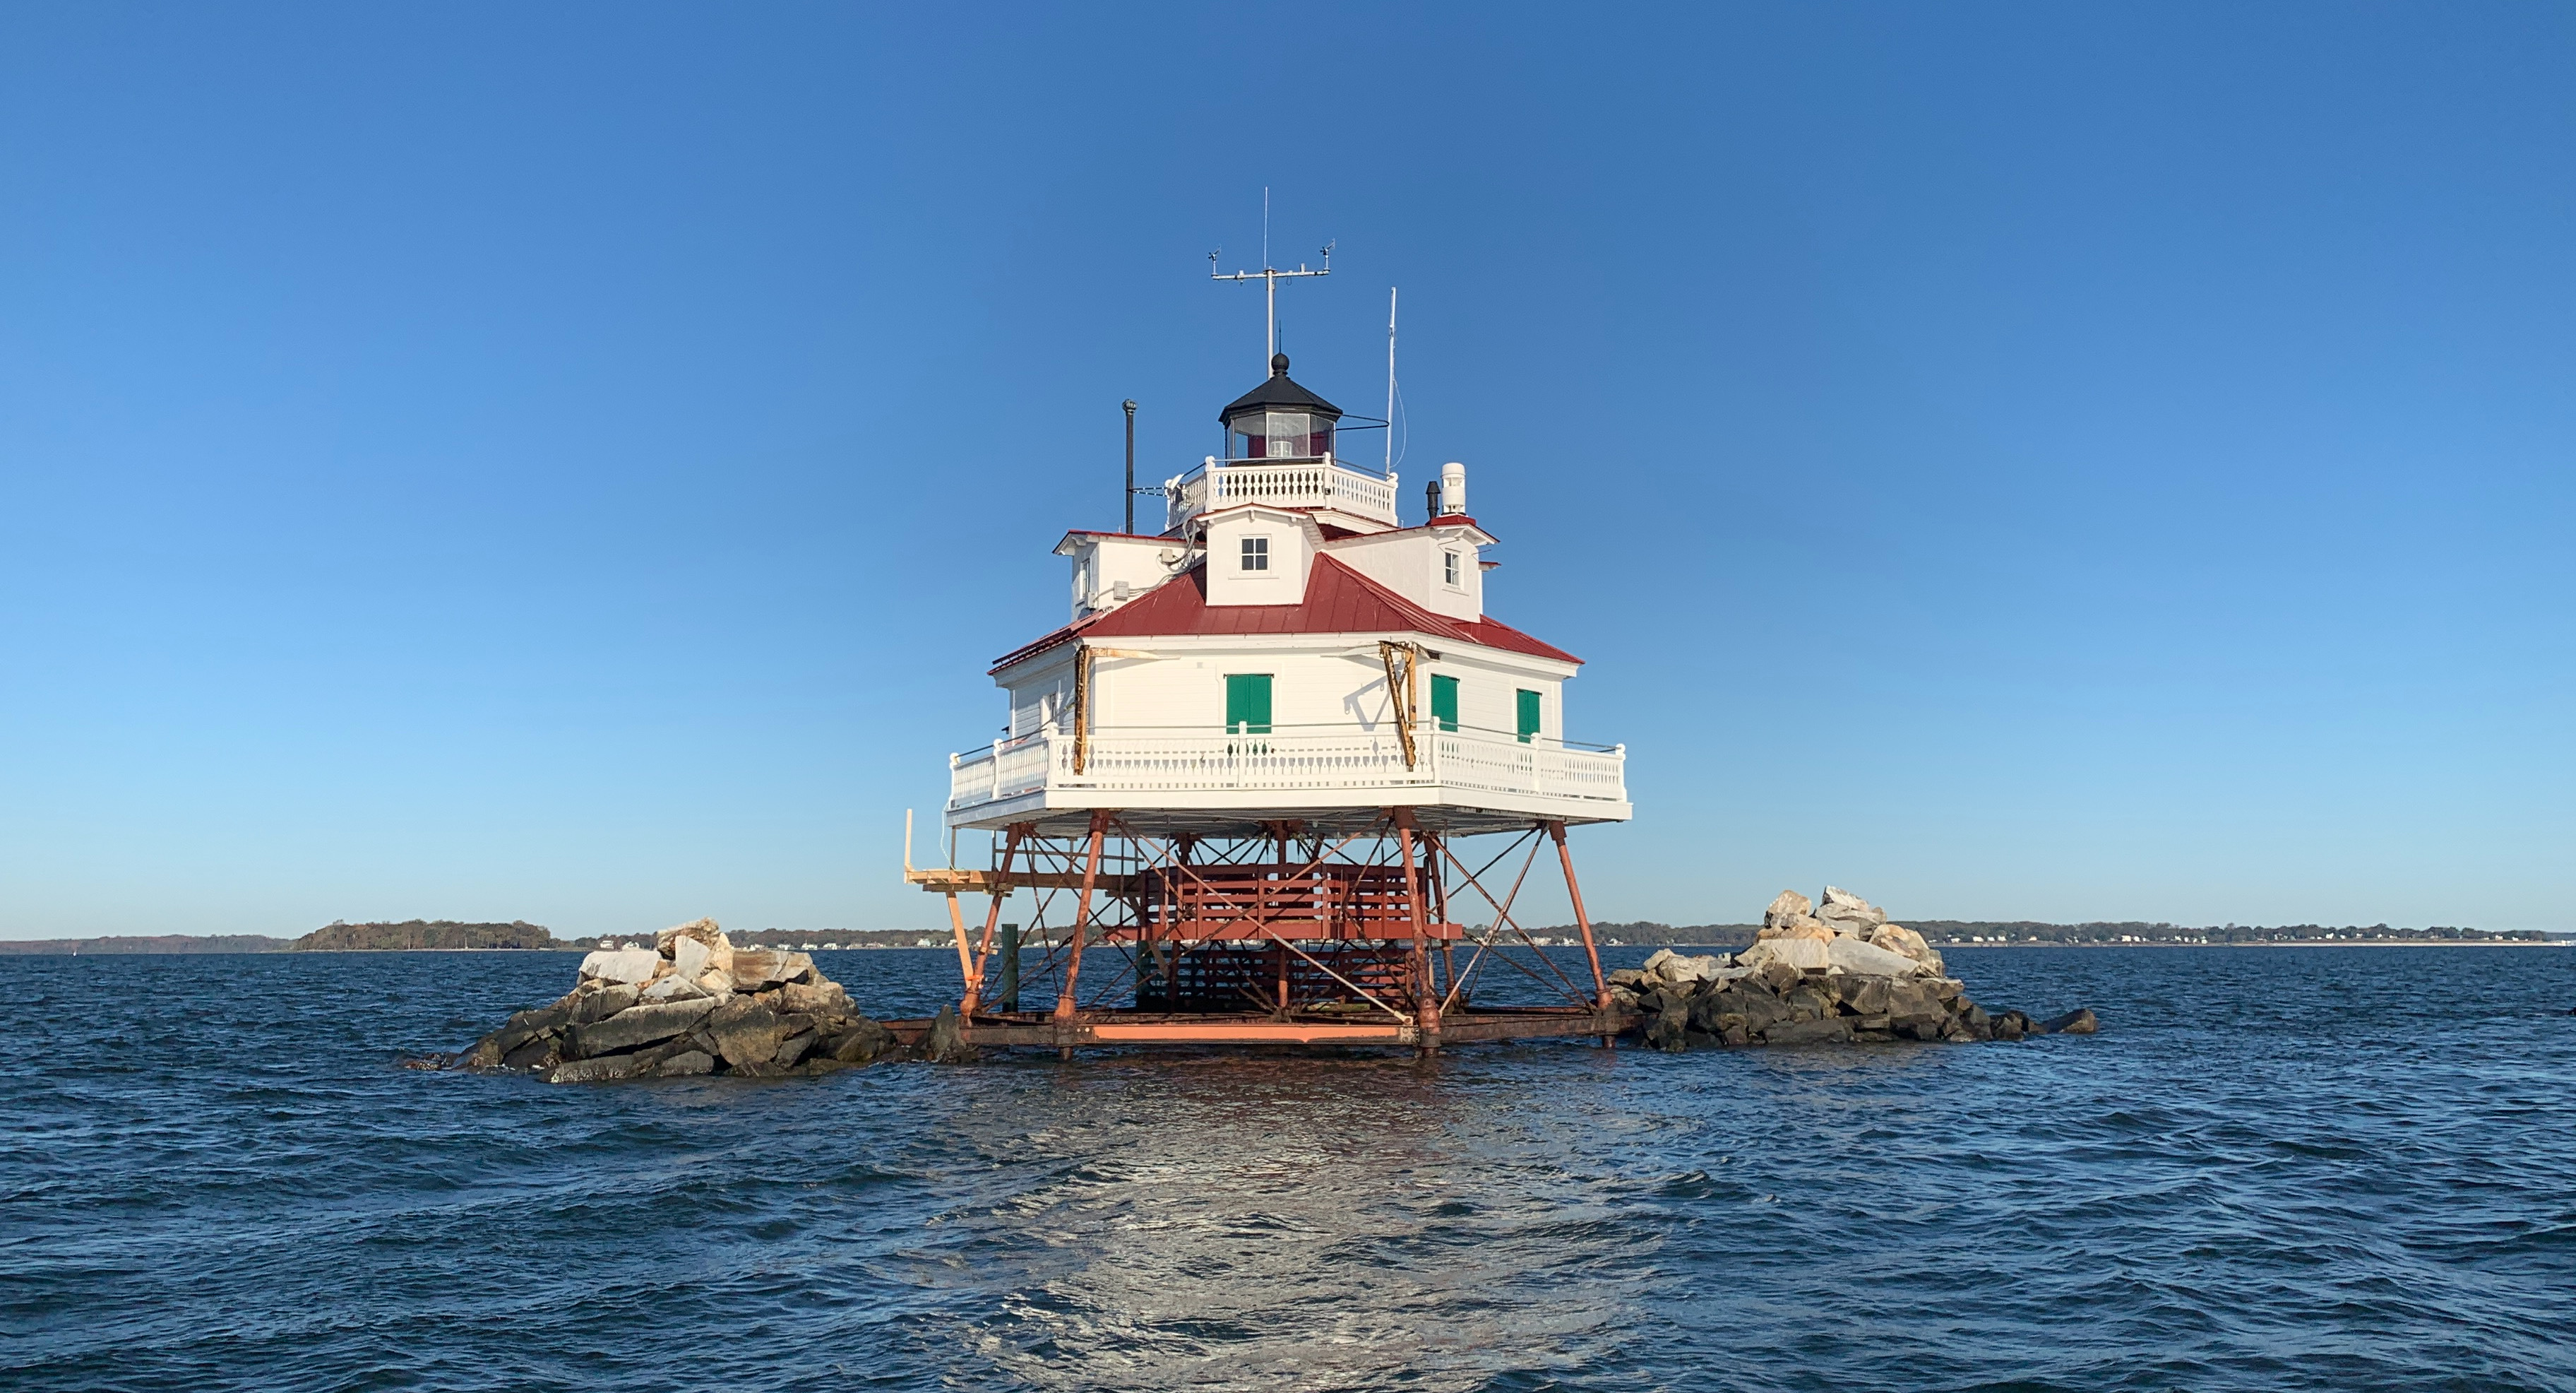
x,y
962,880
1031,1029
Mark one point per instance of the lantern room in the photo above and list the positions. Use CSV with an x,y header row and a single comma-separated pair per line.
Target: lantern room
x,y
1279,420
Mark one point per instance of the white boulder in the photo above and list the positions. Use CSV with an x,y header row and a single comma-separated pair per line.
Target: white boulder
x,y
1852,955
1848,914
1804,954
688,958
1796,926
1896,938
1788,907
621,966
674,987
1678,969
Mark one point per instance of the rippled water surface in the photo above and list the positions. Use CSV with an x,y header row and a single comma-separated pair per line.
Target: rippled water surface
x,y
2331,1169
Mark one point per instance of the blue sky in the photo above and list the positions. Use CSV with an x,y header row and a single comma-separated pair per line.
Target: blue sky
x,y
574,463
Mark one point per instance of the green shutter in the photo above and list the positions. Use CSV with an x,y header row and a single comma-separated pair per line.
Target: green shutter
x,y
1247,703
1444,702
1529,716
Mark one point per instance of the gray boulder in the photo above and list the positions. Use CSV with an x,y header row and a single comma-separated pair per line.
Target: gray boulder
x,y
859,1042
636,1013
591,1003
519,1029
639,1025
2080,1021
947,1042
746,1031
601,1070
1865,995
1828,1030
535,1052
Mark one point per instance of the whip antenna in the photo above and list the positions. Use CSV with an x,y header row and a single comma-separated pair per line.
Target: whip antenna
x,y
1390,379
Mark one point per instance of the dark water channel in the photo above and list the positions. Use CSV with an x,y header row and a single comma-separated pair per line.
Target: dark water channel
x,y
2276,1169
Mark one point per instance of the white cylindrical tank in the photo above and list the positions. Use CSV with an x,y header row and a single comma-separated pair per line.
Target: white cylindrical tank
x,y
1453,487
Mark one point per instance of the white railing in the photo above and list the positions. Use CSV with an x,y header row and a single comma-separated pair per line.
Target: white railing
x,y
1003,769
1212,762
1323,483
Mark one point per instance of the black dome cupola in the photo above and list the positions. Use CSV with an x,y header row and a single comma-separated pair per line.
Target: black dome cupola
x,y
1279,420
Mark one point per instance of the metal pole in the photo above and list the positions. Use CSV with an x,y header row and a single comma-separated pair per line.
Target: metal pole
x,y
1000,884
965,955
1081,921
1427,1005
1390,380
1600,986
1010,967
1131,466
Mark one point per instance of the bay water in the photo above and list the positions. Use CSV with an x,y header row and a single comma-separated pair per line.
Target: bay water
x,y
2311,1168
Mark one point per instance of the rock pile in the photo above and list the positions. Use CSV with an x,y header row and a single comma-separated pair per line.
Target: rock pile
x,y
692,1004
1818,973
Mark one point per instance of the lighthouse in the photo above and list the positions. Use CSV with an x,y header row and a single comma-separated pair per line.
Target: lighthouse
x,y
1280,776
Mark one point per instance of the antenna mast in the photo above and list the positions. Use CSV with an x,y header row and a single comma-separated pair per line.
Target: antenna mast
x,y
1390,379
1270,276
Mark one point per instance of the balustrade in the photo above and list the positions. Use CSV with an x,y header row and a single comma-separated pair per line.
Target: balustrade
x,y
1319,483
1172,762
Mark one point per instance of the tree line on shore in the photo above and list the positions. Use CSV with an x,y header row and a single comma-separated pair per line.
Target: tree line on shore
x,y
1970,932
447,934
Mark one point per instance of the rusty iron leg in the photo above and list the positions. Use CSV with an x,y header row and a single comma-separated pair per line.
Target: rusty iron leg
x,y
992,917
1583,922
1081,921
1427,1005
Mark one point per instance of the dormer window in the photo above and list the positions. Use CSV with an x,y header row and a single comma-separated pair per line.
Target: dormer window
x,y
1256,553
1449,567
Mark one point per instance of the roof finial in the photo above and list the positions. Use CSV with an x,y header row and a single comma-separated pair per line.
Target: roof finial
x,y
1278,365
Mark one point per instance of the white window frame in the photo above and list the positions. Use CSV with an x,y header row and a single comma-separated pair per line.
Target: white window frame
x,y
1256,553
1453,570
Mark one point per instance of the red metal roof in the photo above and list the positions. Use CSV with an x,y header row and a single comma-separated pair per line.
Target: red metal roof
x,y
1338,600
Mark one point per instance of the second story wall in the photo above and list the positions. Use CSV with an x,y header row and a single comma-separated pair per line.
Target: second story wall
x,y
1259,556
1439,568
1314,688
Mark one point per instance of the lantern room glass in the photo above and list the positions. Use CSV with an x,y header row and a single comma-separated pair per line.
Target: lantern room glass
x,y
1279,435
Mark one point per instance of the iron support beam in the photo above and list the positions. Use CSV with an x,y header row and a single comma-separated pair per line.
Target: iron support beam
x,y
1082,916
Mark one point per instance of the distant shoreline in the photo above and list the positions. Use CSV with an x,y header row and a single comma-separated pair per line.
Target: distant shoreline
x,y
2285,943
182,948
2305,943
